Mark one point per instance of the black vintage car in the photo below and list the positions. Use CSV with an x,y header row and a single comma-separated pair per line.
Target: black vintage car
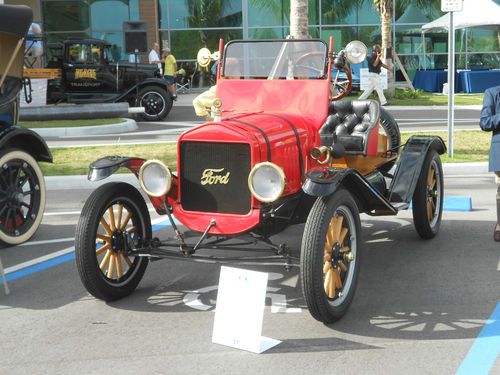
x,y
22,187
87,72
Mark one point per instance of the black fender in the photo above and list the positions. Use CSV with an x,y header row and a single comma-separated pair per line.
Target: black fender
x,y
324,181
26,140
147,82
409,165
106,166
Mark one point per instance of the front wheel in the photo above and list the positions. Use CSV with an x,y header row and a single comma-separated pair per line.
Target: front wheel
x,y
22,197
114,217
156,101
330,256
428,197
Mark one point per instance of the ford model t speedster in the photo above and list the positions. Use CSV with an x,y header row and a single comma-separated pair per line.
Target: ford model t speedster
x,y
22,187
279,151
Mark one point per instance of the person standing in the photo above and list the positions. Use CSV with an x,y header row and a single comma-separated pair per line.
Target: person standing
x,y
375,66
170,71
154,56
489,121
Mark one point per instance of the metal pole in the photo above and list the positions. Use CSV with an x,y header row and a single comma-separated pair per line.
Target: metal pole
x,y
451,84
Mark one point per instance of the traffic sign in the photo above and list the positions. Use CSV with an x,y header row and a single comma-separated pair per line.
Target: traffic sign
x,y
451,5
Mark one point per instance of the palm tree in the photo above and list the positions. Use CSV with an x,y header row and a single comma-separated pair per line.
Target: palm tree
x,y
299,23
384,8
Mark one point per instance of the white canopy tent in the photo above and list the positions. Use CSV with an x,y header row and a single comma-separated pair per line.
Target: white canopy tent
x,y
475,13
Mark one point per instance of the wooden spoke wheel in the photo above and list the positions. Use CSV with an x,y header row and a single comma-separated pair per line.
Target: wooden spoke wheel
x,y
428,197
22,197
114,220
330,256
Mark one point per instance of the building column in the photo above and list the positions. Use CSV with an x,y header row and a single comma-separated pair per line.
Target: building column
x,y
148,11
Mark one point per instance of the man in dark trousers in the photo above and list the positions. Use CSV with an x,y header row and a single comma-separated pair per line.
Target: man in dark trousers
x,y
375,65
490,122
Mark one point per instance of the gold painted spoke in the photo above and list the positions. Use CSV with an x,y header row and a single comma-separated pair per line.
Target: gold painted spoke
x,y
338,281
127,260
127,219
103,237
327,258
429,211
102,249
345,249
111,266
132,230
430,178
343,233
327,282
433,205
105,225
326,267
119,270
332,286
342,266
111,214
337,227
105,260
119,218
329,235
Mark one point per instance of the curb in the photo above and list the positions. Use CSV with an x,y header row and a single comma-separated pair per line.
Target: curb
x,y
127,126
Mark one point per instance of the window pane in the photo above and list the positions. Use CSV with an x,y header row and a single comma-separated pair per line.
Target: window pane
x,y
115,40
101,9
134,10
268,33
66,15
338,12
185,44
482,40
200,14
268,13
341,36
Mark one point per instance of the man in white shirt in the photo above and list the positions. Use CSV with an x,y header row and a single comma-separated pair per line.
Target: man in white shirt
x,y
154,56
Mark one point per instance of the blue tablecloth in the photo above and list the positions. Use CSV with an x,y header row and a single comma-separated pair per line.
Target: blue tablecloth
x,y
432,80
479,80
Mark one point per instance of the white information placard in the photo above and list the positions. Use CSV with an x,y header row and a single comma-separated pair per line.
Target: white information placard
x,y
451,5
240,310
364,78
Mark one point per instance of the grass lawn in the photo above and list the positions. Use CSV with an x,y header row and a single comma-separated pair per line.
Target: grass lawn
x,y
70,123
470,146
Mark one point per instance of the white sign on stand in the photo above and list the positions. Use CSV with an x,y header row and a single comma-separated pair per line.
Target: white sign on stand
x,y
240,310
364,78
451,5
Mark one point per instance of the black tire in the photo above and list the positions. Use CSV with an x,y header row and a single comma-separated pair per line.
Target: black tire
x,y
334,216
157,103
428,197
22,197
91,231
391,128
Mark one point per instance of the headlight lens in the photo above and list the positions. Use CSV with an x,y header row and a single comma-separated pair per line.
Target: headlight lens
x,y
266,182
155,178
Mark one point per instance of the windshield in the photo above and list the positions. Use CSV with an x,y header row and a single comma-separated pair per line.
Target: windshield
x,y
282,59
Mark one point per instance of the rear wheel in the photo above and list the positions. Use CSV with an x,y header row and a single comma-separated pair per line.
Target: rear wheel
x,y
156,101
428,197
114,217
22,197
330,256
391,128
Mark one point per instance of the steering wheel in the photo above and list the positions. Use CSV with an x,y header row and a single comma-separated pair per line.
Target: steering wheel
x,y
313,62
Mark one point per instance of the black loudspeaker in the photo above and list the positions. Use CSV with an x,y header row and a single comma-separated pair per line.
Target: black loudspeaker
x,y
136,36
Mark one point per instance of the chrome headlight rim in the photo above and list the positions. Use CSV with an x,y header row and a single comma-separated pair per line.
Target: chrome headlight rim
x,y
168,186
282,181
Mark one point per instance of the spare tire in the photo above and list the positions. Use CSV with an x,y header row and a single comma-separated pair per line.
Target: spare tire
x,y
391,128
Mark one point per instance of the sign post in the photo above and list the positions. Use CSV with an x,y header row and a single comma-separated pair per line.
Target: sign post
x,y
451,6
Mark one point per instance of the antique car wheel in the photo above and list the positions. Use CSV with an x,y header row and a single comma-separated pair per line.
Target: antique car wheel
x,y
428,197
391,128
114,216
22,197
330,257
156,102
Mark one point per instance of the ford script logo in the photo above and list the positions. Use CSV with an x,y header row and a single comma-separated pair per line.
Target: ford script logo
x,y
212,176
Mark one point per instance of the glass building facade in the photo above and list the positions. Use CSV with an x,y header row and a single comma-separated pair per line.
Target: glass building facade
x,y
187,25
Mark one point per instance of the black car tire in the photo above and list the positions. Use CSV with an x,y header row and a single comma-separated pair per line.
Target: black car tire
x,y
391,128
428,197
330,256
96,226
157,102
22,196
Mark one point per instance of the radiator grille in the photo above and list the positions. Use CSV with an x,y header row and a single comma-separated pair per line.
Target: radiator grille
x,y
214,177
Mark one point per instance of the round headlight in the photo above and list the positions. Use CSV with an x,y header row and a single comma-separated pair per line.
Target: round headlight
x,y
266,182
155,178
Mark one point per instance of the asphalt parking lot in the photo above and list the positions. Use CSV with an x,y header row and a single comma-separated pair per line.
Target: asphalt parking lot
x,y
421,306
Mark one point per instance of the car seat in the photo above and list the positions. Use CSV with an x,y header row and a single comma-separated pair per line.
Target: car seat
x,y
351,123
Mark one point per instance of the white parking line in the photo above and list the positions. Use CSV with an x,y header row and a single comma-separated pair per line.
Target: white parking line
x,y
41,259
44,242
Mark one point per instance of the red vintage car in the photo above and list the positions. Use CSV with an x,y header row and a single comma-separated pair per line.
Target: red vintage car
x,y
280,150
